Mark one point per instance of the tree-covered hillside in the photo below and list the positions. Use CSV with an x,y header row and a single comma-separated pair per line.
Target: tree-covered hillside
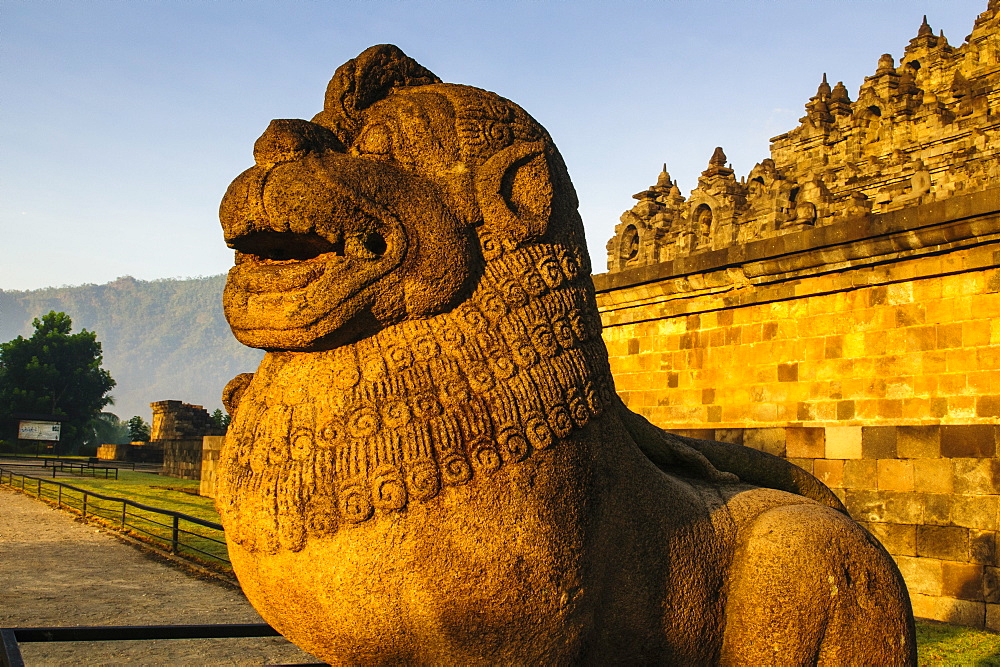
x,y
164,339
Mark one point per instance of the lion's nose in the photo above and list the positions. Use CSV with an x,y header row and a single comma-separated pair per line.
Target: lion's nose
x,y
286,140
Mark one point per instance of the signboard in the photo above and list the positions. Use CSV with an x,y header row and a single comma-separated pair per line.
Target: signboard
x,y
36,430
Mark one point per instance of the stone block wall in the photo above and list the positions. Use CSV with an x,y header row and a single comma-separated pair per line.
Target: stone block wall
x,y
211,445
112,452
930,494
182,458
866,352
915,340
892,321
139,452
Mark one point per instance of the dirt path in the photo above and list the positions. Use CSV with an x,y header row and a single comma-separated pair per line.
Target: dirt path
x,y
56,571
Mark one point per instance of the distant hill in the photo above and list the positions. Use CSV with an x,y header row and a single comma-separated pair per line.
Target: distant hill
x,y
162,339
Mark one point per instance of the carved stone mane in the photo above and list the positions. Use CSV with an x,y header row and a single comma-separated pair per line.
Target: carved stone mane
x,y
429,403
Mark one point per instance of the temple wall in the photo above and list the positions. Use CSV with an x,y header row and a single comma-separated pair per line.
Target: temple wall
x,y
211,446
139,452
866,352
904,349
182,458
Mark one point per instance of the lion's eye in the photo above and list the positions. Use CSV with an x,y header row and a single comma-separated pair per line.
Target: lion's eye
x,y
377,140
369,245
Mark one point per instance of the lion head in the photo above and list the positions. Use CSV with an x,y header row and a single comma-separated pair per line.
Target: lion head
x,y
386,206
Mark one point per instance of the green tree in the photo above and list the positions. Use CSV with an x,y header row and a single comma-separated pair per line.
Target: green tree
x,y
57,373
108,429
138,429
221,419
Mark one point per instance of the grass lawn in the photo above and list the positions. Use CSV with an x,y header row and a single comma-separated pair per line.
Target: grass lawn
x,y
165,493
940,644
153,490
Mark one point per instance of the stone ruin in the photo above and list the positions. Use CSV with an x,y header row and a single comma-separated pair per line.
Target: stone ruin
x,y
179,430
175,420
919,131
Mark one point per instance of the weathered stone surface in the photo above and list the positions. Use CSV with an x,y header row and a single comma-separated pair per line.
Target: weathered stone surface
x,y
923,575
977,476
895,474
975,511
431,464
860,474
843,442
830,472
960,612
937,508
211,445
770,440
943,542
806,443
968,440
182,458
933,475
898,539
983,547
991,584
962,580
924,606
878,442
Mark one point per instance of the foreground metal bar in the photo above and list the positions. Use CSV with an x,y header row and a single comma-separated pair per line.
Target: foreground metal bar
x,y
12,637
11,656
129,632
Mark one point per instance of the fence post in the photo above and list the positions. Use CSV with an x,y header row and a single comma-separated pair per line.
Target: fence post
x,y
60,495
38,492
124,505
84,504
173,539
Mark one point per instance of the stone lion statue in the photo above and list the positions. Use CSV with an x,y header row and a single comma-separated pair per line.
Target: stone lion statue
x,y
431,464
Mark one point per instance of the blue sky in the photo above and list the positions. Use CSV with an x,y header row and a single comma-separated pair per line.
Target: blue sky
x,y
122,122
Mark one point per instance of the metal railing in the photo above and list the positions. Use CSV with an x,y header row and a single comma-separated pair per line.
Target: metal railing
x,y
184,535
12,638
46,461
78,467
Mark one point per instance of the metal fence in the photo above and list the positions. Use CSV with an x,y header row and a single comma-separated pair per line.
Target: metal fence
x,y
12,638
81,468
47,461
182,534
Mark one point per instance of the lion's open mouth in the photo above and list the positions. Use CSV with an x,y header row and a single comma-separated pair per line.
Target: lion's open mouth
x,y
318,242
278,261
309,283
